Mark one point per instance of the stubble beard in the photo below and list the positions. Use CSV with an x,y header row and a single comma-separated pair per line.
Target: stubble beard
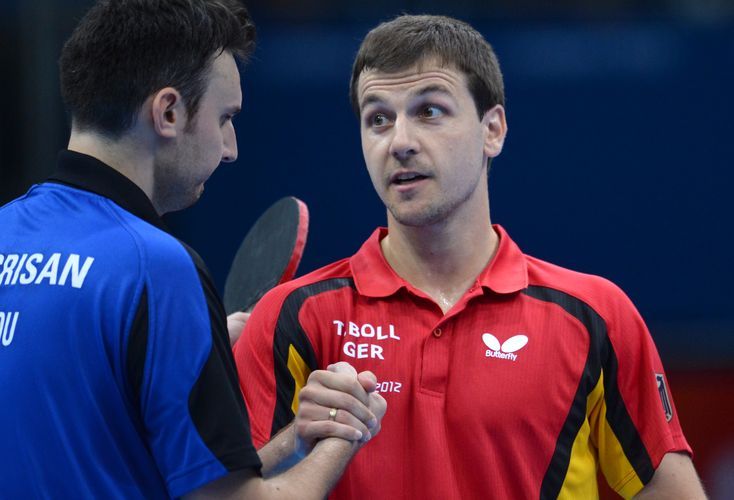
x,y
172,189
434,211
418,217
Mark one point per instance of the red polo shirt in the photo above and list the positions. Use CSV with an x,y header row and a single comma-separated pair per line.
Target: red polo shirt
x,y
534,378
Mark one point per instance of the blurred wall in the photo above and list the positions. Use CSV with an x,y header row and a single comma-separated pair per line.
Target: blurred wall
x,y
618,160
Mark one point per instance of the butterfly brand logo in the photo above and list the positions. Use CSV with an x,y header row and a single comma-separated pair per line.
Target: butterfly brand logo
x,y
507,350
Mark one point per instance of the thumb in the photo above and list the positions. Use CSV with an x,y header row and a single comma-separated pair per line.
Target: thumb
x,y
367,380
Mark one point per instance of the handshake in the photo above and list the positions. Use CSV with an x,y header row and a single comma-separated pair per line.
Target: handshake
x,y
338,403
335,403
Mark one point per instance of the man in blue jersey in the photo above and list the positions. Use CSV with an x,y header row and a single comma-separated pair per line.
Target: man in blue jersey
x,y
117,376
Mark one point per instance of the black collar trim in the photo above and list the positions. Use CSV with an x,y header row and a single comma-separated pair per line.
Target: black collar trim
x,y
88,173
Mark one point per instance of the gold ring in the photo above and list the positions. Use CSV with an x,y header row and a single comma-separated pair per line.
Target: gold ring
x,y
332,414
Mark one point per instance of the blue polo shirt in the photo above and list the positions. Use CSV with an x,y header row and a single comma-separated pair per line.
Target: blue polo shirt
x,y
116,375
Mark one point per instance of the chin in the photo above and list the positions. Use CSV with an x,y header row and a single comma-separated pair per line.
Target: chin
x,y
417,216
417,219
190,200
197,192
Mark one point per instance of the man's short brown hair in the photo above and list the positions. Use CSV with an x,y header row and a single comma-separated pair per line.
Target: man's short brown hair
x,y
122,51
407,40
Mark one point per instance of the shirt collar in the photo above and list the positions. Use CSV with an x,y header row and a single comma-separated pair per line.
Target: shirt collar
x,y
373,276
506,272
88,173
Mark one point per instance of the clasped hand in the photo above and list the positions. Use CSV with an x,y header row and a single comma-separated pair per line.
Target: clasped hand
x,y
359,408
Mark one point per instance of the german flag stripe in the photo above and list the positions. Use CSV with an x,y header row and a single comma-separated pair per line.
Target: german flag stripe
x,y
293,354
601,356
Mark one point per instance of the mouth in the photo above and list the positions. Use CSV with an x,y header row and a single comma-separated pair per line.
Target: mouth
x,y
406,178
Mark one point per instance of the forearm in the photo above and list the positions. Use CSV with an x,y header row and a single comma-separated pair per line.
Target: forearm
x,y
312,478
279,454
315,475
675,477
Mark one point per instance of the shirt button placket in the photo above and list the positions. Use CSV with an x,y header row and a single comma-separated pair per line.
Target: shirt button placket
x,y
436,360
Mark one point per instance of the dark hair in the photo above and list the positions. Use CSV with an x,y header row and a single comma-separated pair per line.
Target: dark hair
x,y
123,51
407,40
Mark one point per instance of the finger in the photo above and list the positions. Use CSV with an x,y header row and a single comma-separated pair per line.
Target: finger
x,y
342,367
239,316
367,380
315,404
346,418
378,405
311,431
339,382
235,325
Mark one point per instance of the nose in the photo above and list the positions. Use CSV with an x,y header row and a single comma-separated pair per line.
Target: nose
x,y
229,151
404,143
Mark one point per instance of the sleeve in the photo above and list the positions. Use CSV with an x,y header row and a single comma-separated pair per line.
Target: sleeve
x,y
636,422
274,358
194,418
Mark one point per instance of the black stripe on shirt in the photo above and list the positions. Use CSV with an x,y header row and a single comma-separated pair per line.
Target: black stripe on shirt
x,y
137,347
288,331
216,405
601,357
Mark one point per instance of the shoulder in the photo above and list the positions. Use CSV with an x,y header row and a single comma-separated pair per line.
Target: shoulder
x,y
134,248
287,303
85,219
598,293
164,255
334,276
597,303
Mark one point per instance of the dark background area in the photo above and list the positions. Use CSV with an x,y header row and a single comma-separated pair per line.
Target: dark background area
x,y
618,160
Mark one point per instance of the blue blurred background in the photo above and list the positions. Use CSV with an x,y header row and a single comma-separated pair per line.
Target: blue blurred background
x,y
618,160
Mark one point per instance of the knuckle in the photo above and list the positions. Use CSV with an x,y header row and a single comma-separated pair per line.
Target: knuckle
x,y
357,424
357,409
316,376
355,389
345,368
306,394
301,428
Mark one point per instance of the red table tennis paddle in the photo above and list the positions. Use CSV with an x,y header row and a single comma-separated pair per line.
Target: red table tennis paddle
x,y
269,254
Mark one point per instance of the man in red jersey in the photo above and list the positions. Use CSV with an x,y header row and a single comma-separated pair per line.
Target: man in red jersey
x,y
506,376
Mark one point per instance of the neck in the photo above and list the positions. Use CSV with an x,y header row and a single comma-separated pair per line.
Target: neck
x,y
442,260
124,155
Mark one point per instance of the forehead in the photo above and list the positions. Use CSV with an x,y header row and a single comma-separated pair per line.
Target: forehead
x,y
375,84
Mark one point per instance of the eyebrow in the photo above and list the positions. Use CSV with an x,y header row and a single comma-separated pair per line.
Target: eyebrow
x,y
435,87
428,89
371,99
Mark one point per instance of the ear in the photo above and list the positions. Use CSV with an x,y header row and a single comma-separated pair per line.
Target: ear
x,y
168,112
495,125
